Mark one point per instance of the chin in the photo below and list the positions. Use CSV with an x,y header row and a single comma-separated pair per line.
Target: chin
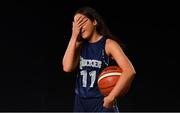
x,y
84,36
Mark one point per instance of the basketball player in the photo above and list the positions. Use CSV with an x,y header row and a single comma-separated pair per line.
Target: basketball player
x,y
91,49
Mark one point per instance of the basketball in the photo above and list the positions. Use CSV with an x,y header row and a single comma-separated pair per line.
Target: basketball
x,y
108,78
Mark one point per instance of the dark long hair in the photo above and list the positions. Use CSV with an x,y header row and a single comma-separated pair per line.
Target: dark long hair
x,y
101,27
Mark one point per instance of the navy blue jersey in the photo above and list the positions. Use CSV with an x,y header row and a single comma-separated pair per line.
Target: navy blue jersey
x,y
92,61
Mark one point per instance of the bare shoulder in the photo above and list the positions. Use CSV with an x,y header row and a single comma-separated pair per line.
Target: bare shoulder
x,y
111,46
110,42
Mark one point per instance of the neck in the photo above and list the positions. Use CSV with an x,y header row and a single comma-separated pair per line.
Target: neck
x,y
94,38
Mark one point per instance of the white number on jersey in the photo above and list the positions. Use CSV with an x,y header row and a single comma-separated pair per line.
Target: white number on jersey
x,y
92,74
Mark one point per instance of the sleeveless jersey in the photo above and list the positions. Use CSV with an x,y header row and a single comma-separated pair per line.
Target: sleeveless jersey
x,y
92,61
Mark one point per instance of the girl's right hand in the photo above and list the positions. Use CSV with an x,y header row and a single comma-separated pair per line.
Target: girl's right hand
x,y
77,25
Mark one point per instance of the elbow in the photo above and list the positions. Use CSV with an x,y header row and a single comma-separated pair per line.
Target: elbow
x,y
130,71
133,73
67,69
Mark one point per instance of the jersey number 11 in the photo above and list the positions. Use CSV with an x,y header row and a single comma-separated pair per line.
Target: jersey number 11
x,y
84,75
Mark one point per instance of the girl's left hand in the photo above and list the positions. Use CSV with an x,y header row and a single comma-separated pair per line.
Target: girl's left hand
x,y
108,101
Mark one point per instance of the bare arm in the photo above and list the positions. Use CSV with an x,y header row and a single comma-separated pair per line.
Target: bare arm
x,y
128,73
71,56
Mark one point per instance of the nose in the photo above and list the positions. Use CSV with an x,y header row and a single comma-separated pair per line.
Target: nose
x,y
83,26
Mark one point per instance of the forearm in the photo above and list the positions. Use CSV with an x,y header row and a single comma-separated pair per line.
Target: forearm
x,y
122,84
70,58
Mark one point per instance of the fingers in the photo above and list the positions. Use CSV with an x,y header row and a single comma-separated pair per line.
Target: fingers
x,y
107,103
81,21
80,18
77,24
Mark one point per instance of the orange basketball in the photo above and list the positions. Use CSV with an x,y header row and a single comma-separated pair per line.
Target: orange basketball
x,y
108,79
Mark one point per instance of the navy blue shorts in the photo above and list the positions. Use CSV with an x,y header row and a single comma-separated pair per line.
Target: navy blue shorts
x,y
91,105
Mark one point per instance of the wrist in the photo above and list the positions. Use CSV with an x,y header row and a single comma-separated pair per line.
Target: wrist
x,y
75,35
112,96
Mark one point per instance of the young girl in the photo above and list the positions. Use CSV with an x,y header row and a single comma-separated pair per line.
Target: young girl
x,y
91,49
